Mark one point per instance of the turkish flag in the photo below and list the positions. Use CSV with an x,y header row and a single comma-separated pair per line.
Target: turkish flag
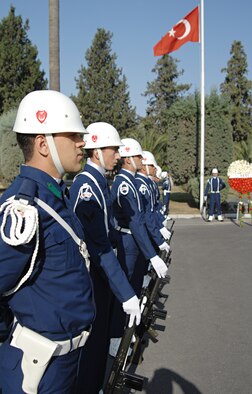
x,y
187,29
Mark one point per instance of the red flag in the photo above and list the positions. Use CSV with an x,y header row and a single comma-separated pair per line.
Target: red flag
x,y
187,29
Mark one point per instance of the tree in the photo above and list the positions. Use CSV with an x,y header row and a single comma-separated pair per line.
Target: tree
x,y
19,67
11,156
181,125
164,90
150,141
54,48
102,89
218,134
238,89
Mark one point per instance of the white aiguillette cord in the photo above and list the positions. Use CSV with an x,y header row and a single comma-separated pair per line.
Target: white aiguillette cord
x,y
25,224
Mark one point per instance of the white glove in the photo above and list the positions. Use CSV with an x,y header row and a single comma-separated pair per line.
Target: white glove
x,y
132,308
165,233
159,266
164,246
205,198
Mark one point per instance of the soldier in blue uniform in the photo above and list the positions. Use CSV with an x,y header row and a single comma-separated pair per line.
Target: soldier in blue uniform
x,y
214,185
157,230
91,198
135,249
166,187
156,194
44,278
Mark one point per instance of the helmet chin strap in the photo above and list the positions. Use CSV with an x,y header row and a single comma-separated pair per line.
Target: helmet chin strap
x,y
54,154
147,169
100,155
133,163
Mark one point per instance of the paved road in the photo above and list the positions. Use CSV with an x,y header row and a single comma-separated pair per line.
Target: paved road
x,y
206,347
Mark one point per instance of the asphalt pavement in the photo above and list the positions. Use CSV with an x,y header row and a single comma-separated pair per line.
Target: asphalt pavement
x,y
205,343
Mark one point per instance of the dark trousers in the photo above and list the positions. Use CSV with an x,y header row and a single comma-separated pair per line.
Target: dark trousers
x,y
134,265
94,354
215,202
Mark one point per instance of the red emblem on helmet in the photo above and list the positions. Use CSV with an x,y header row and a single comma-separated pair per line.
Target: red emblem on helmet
x,y
41,116
127,148
94,138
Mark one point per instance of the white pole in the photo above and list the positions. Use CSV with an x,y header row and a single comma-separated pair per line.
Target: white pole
x,y
202,116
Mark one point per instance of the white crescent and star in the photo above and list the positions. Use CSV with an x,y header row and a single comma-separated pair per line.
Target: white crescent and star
x,y
187,29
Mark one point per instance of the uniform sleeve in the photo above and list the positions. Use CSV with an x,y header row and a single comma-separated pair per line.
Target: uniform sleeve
x,y
14,260
207,187
223,185
137,225
151,220
102,255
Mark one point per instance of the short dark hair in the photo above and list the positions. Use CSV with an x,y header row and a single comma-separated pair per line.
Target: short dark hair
x,y
26,144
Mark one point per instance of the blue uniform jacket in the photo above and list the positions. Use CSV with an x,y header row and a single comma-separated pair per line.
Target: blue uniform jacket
x,y
151,218
57,300
157,203
90,210
166,185
128,211
214,184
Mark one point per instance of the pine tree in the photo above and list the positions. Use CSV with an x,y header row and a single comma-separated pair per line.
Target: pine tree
x,y
238,89
11,156
218,134
181,126
19,67
164,90
102,89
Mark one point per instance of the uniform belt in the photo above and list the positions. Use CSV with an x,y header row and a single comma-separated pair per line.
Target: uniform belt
x,y
69,345
63,347
123,230
215,192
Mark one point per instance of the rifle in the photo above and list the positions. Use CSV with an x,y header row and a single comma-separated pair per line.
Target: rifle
x,y
119,378
149,313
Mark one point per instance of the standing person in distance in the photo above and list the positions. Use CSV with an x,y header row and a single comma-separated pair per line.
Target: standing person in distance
x,y
44,278
90,195
214,186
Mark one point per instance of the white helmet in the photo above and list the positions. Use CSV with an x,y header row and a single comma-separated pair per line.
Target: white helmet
x,y
158,172
215,171
164,174
101,135
47,112
130,148
148,158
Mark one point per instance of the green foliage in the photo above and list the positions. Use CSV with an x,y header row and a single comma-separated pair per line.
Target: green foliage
x,y
19,67
11,156
150,140
238,89
243,150
218,134
164,90
102,89
180,125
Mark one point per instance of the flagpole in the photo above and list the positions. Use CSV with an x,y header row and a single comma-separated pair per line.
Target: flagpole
x,y
202,112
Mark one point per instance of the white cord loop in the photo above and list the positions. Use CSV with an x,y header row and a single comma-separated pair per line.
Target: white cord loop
x,y
24,225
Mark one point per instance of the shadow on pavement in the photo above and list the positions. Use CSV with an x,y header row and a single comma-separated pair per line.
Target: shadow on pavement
x,y
163,380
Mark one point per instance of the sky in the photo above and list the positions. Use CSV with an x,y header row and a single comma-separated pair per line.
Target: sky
x,y
137,25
